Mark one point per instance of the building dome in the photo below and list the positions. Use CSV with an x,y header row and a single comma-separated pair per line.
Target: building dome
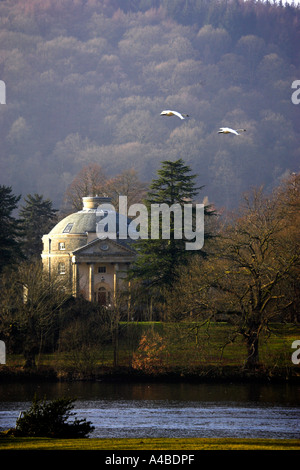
x,y
92,265
86,220
79,223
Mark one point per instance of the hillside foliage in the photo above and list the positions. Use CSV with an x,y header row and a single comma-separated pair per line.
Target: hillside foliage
x,y
86,82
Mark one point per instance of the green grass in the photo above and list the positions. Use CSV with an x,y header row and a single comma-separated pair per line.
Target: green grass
x,y
187,347
17,443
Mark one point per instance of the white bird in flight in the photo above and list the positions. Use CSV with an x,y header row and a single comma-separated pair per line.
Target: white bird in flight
x,y
168,112
228,130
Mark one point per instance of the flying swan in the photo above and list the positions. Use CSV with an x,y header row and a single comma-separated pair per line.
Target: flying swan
x,y
227,130
168,112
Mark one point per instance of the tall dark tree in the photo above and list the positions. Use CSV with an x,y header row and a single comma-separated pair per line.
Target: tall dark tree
x,y
10,230
37,217
159,259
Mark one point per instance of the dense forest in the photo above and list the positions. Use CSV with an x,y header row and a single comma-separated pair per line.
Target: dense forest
x,y
86,82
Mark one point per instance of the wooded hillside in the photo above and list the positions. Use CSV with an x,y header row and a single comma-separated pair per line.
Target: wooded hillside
x,y
86,81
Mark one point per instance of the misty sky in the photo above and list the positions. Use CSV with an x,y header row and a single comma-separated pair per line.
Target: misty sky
x,y
295,2
89,91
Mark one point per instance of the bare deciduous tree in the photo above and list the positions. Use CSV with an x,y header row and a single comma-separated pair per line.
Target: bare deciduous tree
x,y
127,184
248,280
90,181
29,305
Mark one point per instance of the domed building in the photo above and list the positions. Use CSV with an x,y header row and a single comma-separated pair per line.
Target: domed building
x,y
92,267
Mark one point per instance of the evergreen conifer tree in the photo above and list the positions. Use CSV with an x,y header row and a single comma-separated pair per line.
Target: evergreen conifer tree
x,y
159,259
37,217
10,231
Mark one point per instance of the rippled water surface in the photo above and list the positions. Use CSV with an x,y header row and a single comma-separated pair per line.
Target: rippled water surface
x,y
169,410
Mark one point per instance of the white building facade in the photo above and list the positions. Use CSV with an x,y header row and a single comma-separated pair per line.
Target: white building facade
x,y
92,267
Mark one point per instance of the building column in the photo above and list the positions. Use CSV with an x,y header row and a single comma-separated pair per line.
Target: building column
x,y
116,269
91,282
75,279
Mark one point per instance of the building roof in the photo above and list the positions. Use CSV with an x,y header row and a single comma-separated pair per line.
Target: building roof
x,y
86,220
78,223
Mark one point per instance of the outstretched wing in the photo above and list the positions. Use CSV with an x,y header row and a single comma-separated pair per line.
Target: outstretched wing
x,y
227,130
169,112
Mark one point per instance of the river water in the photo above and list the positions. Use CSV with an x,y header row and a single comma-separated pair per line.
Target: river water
x,y
144,410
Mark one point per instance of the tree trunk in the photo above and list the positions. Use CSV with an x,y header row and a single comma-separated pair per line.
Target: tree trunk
x,y
252,350
115,343
29,360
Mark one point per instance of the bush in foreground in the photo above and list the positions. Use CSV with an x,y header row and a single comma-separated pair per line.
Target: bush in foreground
x,y
51,419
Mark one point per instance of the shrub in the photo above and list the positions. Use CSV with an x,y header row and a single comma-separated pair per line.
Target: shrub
x,y
150,353
50,419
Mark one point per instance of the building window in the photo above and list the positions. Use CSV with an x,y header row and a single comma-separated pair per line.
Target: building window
x,y
102,269
68,228
61,246
61,268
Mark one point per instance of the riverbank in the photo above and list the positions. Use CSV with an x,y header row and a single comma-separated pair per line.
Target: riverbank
x,y
27,443
202,374
125,414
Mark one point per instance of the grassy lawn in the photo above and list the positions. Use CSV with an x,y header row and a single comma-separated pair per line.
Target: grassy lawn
x,y
186,346
15,443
